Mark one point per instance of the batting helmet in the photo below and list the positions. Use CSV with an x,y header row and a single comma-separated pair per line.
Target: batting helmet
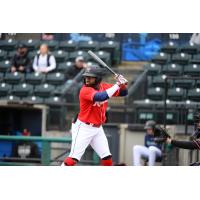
x,y
95,72
150,124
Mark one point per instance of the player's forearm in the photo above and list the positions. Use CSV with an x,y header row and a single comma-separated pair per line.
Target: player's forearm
x,y
184,144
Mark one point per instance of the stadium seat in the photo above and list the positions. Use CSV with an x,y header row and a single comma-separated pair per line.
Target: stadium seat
x,y
90,63
1,77
194,94
105,56
152,69
5,89
14,78
192,70
155,93
161,58
60,56
32,54
159,81
88,45
68,46
181,58
113,48
75,54
11,54
184,83
22,90
59,91
44,90
197,84
52,44
53,100
55,78
189,48
8,45
169,48
172,69
33,100
195,59
11,98
35,78
176,94
31,44
3,55
64,67
5,66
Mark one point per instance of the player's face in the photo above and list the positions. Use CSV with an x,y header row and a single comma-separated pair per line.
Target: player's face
x,y
150,131
89,81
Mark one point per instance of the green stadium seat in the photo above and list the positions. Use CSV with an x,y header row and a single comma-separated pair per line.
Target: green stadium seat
x,y
194,94
55,78
11,99
3,55
68,46
90,63
189,48
22,90
169,48
14,78
44,90
88,45
35,78
184,83
1,77
176,94
161,58
197,84
159,81
33,100
32,54
192,70
75,54
5,89
103,55
155,93
59,91
8,45
152,69
31,44
64,67
11,54
113,48
195,59
181,58
55,100
60,56
172,69
5,66
52,44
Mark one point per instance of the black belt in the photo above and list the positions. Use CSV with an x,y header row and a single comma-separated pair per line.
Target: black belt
x,y
94,125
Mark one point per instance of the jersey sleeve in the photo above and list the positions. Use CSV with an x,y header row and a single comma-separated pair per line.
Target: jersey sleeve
x,y
106,86
87,93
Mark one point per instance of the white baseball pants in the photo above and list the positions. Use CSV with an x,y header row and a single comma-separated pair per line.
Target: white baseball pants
x,y
84,135
142,151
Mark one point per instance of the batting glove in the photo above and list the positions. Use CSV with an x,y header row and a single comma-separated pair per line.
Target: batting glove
x,y
121,80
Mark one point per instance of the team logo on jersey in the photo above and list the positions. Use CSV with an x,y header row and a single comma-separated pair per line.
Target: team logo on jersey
x,y
99,103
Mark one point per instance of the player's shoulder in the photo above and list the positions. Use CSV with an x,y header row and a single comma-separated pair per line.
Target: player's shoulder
x,y
86,89
105,85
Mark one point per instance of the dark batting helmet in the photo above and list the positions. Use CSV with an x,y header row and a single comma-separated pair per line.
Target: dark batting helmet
x,y
150,124
95,72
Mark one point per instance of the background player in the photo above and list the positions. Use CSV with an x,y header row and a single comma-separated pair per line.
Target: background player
x,y
87,128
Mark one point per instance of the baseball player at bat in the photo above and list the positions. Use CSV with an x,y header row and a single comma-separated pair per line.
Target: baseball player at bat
x,y
87,128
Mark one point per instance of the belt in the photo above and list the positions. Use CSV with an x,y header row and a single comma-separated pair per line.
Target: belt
x,y
94,125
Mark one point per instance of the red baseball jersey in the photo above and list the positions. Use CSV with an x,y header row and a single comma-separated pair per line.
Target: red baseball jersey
x,y
90,111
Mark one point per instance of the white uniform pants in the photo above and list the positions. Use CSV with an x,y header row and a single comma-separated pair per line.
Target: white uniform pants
x,y
83,135
149,152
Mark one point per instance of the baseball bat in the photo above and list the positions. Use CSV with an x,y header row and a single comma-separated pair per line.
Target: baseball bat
x,y
101,62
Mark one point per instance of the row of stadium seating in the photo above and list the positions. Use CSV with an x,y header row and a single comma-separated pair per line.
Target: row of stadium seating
x,y
63,49
183,90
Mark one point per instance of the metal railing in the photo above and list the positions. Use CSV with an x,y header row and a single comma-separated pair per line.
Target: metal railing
x,y
45,153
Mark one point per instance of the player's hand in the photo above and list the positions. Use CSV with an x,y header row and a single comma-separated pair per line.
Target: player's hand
x,y
121,80
169,140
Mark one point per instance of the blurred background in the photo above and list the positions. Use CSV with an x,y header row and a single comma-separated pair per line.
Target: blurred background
x,y
37,107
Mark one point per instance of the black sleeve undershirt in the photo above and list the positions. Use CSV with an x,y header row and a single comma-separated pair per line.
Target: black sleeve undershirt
x,y
186,144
